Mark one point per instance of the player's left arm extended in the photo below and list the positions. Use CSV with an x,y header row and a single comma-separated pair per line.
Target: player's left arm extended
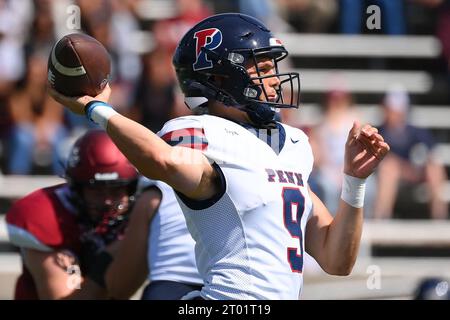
x,y
334,242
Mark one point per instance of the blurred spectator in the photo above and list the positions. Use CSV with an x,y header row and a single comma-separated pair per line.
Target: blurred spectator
x,y
41,37
37,121
411,161
268,11
328,140
123,24
443,33
14,19
5,124
309,16
157,97
260,9
168,32
96,18
353,16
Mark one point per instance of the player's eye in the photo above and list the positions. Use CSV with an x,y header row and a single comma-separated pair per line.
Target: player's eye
x,y
265,68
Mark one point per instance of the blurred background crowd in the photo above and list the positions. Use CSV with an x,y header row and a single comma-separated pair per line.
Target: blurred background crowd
x,y
391,70
373,83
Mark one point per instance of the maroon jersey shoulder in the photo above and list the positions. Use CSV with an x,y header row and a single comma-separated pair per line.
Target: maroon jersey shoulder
x,y
43,215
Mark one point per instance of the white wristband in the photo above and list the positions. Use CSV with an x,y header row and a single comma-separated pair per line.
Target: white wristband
x,y
353,190
100,114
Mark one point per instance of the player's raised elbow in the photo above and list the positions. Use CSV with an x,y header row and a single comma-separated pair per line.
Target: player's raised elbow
x,y
340,268
341,271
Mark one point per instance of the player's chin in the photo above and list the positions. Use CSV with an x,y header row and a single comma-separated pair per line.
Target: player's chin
x,y
272,98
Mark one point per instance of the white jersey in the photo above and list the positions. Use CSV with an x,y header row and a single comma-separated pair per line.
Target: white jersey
x,y
250,241
171,248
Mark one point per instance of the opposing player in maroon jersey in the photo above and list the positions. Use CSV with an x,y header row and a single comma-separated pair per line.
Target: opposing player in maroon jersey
x,y
69,230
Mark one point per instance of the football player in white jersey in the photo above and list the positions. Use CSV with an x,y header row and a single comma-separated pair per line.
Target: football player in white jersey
x,y
156,246
240,177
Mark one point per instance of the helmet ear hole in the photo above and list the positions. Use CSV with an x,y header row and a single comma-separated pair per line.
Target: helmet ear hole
x,y
217,80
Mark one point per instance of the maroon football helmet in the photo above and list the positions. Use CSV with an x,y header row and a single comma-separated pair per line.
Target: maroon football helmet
x,y
95,159
96,163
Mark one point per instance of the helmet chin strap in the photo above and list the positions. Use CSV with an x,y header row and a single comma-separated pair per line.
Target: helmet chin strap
x,y
260,114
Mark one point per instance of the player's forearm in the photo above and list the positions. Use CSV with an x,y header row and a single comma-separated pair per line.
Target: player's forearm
x,y
145,150
343,239
343,233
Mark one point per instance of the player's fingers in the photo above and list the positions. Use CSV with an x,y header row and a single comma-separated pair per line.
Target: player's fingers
x,y
369,143
75,104
368,130
60,97
354,131
57,96
85,100
378,137
372,135
384,146
374,139
105,94
381,144
366,143
382,150
369,138
52,92
102,96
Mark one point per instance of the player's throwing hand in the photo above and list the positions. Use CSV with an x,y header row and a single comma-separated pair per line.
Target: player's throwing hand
x,y
77,104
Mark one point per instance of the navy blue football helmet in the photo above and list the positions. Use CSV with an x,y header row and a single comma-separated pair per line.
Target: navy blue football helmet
x,y
222,46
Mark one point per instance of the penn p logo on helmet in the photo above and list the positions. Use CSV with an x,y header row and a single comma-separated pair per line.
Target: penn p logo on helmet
x,y
209,39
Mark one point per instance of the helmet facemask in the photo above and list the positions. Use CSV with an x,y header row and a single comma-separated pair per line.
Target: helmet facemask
x,y
99,212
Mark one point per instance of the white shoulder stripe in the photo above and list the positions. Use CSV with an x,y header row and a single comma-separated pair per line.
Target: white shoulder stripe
x,y
23,239
71,72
